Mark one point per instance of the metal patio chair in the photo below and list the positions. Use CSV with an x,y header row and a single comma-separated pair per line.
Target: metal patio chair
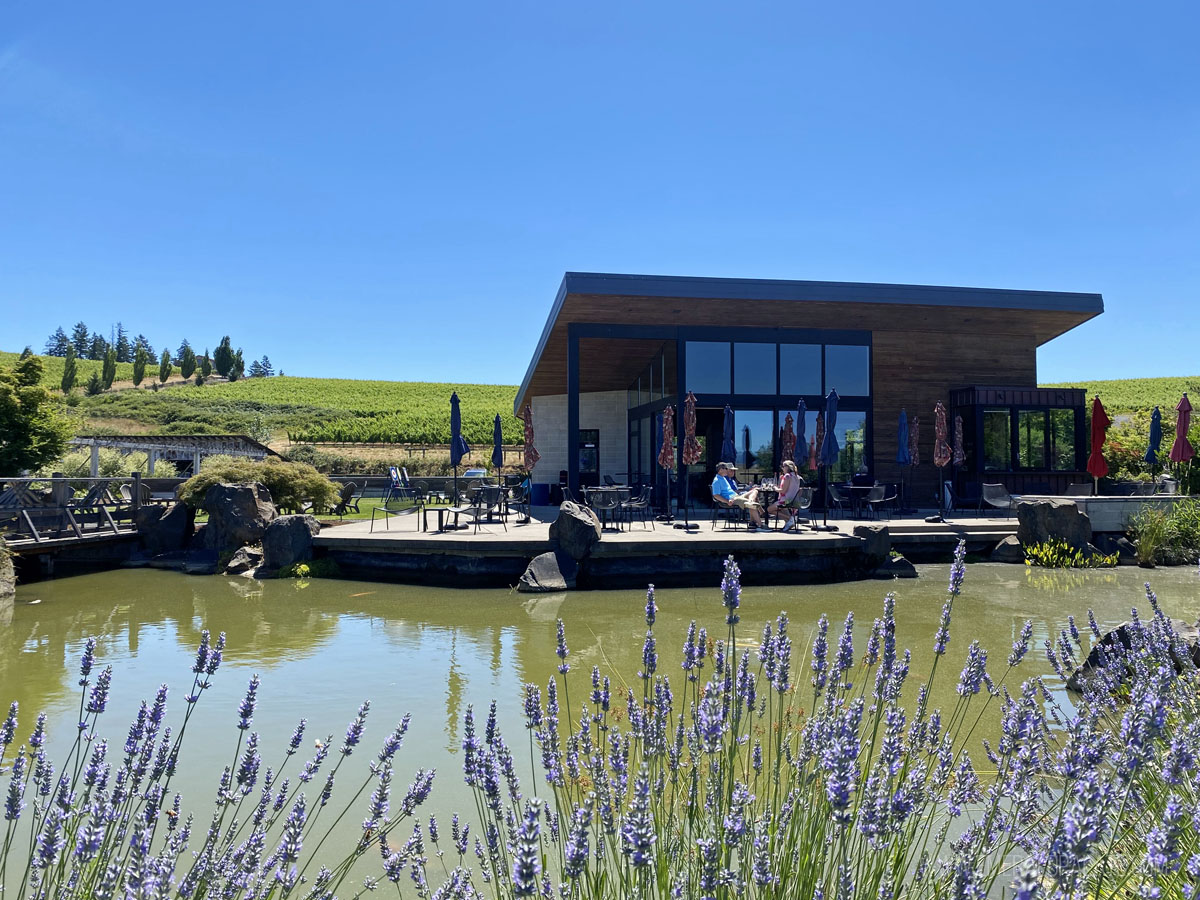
x,y
997,495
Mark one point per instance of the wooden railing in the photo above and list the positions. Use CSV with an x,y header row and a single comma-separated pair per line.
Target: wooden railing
x,y
37,509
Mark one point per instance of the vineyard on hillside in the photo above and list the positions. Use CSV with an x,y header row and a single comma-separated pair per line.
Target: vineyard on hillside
x,y
1128,395
52,369
322,410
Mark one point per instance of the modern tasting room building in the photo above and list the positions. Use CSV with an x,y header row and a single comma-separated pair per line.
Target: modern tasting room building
x,y
617,349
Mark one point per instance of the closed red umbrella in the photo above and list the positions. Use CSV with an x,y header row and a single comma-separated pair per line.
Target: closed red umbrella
x,y
1096,465
818,438
531,454
1182,450
914,436
960,452
941,449
789,438
812,453
666,453
691,446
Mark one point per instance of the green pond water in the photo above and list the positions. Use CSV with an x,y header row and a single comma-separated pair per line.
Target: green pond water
x,y
324,646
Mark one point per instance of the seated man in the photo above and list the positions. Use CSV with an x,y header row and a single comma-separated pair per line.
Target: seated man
x,y
725,490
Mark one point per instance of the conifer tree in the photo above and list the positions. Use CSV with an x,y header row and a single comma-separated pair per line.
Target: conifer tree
x,y
164,366
70,370
94,384
223,357
97,347
81,339
187,360
27,352
140,358
266,367
256,369
206,367
28,371
124,348
109,373
140,341
57,343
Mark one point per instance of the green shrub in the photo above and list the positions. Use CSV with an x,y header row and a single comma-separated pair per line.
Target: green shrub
x,y
1170,538
113,463
1057,554
291,484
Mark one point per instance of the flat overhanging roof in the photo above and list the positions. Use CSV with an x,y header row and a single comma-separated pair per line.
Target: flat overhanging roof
x,y
668,301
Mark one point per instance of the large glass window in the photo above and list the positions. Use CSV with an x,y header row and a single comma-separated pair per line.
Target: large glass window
x,y
754,440
754,368
708,367
851,433
800,369
997,441
1062,439
1031,438
848,370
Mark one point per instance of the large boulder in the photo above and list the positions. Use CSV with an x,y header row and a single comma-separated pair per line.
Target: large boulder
x,y
163,529
238,514
1039,521
1009,550
1101,654
288,540
575,531
243,560
896,567
548,573
877,542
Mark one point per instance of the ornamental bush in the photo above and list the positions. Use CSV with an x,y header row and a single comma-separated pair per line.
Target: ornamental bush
x,y
291,484
746,772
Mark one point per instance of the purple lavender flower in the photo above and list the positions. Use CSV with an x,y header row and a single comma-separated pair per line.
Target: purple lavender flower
x,y
820,650
95,767
973,671
214,656
845,651
839,759
247,773
691,657
710,854
201,654
293,832
393,742
1092,624
297,737
86,661
649,657
731,590
760,853
50,840
527,858
8,730
561,650
1021,645
942,638
380,800
1162,843
958,571
651,607
575,853
246,707
354,730
1027,883
418,791
14,801
637,833
98,699
709,720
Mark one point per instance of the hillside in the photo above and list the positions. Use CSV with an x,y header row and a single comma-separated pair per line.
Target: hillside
x,y
1127,395
52,369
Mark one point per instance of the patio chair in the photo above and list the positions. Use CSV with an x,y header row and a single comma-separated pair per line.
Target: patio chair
x,y
731,513
957,500
639,506
606,504
347,500
801,504
518,501
880,499
997,495
1078,490
485,504
838,500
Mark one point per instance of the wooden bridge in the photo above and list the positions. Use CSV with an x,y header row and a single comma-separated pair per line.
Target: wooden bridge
x,y
45,515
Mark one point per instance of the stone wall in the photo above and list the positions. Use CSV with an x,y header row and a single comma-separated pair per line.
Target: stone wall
x,y
604,410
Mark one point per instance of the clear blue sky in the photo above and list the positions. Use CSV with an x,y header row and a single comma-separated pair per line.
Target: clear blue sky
x,y
394,190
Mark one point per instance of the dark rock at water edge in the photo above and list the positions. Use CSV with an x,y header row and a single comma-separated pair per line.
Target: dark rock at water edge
x,y
1039,521
163,529
1101,654
193,562
289,540
1109,544
238,515
548,573
575,530
877,543
896,567
1009,550
243,560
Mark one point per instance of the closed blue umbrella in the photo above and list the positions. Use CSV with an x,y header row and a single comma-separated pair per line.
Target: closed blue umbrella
x,y
728,450
829,450
497,446
1155,437
458,446
800,454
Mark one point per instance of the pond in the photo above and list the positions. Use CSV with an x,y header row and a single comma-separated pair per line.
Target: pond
x,y
324,646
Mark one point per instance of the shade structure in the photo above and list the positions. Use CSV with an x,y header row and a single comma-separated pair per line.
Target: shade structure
x,y
829,444
1097,467
497,444
903,457
1182,450
787,439
801,448
666,451
458,445
914,442
960,451
691,446
1154,447
941,449
728,450
531,454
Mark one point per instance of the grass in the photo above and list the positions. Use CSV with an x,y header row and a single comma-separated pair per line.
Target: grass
x,y
1127,395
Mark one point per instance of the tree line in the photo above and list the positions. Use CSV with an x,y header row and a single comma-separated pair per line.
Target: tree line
x,y
119,347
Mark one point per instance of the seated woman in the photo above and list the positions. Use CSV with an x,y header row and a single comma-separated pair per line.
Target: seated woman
x,y
725,491
789,488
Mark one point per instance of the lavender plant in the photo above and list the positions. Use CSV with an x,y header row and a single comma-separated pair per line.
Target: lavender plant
x,y
732,778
